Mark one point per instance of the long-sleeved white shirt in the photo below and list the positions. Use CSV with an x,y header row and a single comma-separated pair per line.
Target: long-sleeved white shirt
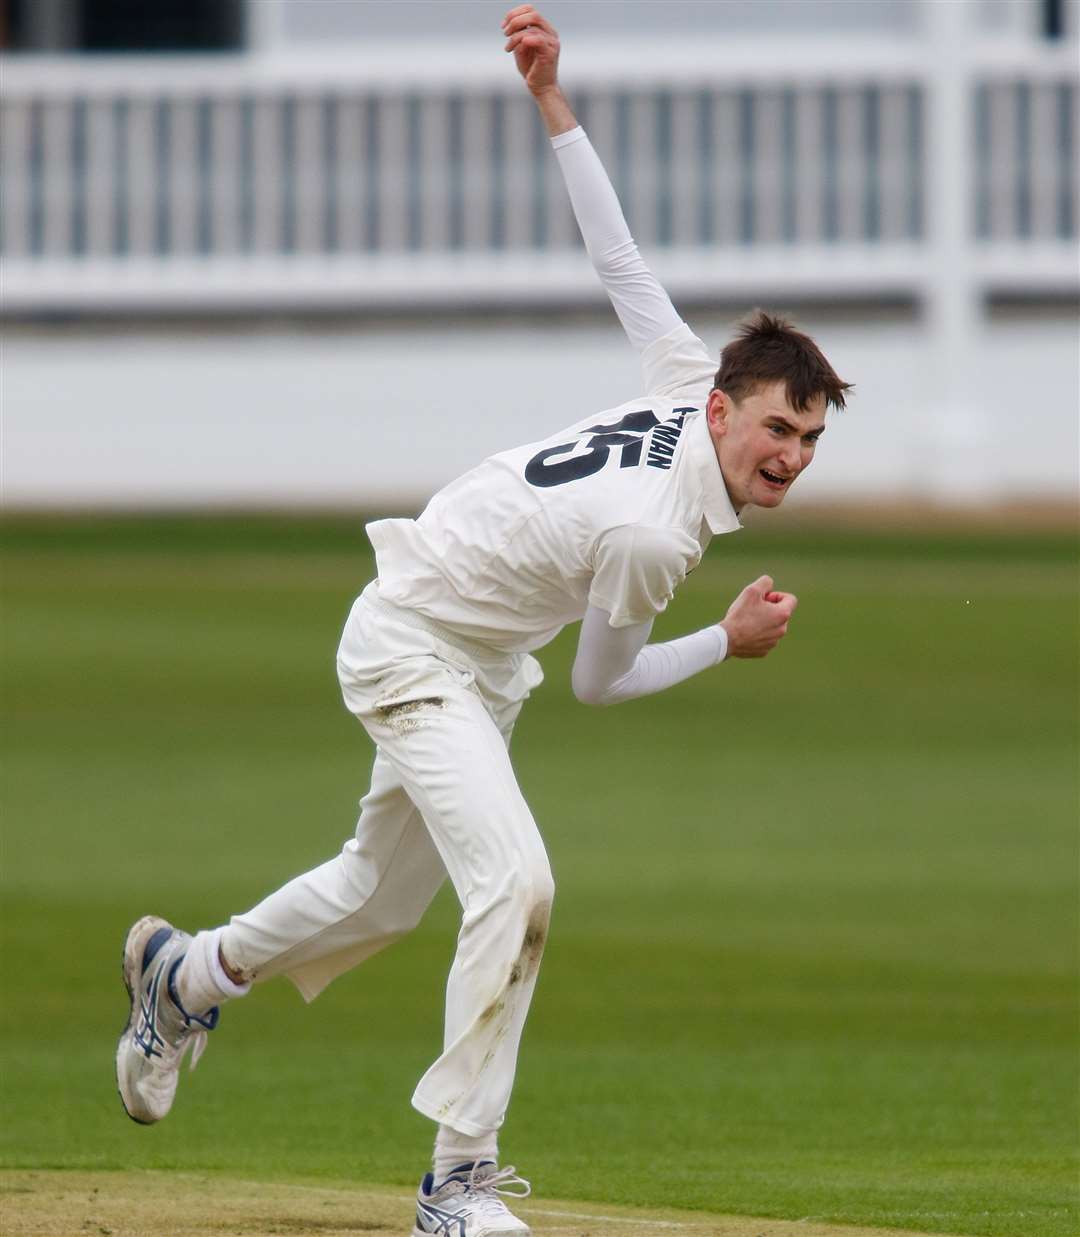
x,y
618,663
600,521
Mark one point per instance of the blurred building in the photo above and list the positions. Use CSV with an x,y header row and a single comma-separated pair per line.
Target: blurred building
x,y
906,171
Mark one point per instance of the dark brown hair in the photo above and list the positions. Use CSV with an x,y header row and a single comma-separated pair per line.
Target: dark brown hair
x,y
769,349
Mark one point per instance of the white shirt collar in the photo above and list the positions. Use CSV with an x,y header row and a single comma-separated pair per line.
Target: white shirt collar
x,y
719,513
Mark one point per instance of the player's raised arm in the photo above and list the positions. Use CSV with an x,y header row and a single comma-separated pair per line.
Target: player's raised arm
x,y
644,308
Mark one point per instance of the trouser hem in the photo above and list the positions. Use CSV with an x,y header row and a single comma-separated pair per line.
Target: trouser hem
x,y
308,993
429,1108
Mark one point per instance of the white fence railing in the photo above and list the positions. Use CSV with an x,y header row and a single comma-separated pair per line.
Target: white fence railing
x,y
246,181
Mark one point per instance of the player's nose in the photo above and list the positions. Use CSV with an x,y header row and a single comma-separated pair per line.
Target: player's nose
x,y
791,457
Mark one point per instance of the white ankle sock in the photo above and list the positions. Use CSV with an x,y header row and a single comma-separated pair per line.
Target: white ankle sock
x,y
453,1149
201,982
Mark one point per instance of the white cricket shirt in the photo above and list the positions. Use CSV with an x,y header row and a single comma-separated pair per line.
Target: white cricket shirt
x,y
613,511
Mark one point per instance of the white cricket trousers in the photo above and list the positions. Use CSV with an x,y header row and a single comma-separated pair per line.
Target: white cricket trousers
x,y
443,801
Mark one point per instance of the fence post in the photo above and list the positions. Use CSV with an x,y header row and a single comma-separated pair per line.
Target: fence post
x,y
956,463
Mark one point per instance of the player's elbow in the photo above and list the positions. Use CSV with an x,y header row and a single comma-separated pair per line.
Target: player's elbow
x,y
587,690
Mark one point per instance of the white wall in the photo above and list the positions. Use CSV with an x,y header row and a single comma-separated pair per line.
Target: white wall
x,y
323,21
377,415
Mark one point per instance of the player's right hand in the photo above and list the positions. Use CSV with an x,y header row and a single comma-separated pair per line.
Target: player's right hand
x,y
757,620
535,44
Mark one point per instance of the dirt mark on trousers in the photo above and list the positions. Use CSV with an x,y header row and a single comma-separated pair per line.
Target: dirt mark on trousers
x,y
405,716
527,961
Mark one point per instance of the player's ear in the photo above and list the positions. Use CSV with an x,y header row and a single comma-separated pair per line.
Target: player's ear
x,y
718,411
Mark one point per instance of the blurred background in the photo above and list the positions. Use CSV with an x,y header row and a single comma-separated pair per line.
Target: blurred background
x,y
316,253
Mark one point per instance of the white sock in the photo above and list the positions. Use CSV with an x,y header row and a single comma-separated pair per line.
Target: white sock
x,y
201,982
453,1149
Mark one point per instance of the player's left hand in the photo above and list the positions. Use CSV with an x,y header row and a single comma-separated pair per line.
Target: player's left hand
x,y
535,44
757,620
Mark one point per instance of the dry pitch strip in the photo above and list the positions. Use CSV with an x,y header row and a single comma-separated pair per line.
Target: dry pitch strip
x,y
161,1204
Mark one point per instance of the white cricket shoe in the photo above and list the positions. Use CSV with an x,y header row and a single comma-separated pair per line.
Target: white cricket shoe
x,y
467,1203
159,1030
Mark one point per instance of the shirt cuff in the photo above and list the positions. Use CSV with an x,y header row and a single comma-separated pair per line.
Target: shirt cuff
x,y
564,139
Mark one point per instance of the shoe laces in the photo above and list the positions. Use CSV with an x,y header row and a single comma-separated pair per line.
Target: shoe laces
x,y
195,1034
198,1047
191,1036
193,1028
486,1180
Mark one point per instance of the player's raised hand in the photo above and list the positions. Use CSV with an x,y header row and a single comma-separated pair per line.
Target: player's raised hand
x,y
535,44
757,620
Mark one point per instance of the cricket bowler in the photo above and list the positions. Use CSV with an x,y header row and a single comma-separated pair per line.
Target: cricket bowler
x,y
598,524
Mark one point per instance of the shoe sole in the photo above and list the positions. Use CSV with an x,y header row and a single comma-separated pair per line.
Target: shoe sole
x,y
419,1232
521,1232
134,947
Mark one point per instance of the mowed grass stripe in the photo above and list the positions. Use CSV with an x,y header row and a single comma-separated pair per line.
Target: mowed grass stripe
x,y
813,951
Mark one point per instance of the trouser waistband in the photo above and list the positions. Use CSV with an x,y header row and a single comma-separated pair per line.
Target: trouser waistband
x,y
420,621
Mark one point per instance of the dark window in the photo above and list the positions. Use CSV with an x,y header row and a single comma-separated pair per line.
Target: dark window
x,y
1053,18
122,25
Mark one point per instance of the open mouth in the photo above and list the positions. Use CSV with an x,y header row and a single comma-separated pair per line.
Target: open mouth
x,y
773,478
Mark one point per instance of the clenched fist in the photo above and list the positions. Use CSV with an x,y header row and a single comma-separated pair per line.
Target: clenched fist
x,y
757,620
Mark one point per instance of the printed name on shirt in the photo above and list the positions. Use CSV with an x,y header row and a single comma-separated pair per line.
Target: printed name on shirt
x,y
665,438
568,462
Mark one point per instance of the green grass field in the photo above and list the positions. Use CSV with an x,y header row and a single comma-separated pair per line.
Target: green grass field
x,y
813,951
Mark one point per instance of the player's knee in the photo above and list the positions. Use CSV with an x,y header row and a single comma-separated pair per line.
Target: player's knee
x,y
544,889
529,885
537,889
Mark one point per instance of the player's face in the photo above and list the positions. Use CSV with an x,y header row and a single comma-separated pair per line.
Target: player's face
x,y
762,443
